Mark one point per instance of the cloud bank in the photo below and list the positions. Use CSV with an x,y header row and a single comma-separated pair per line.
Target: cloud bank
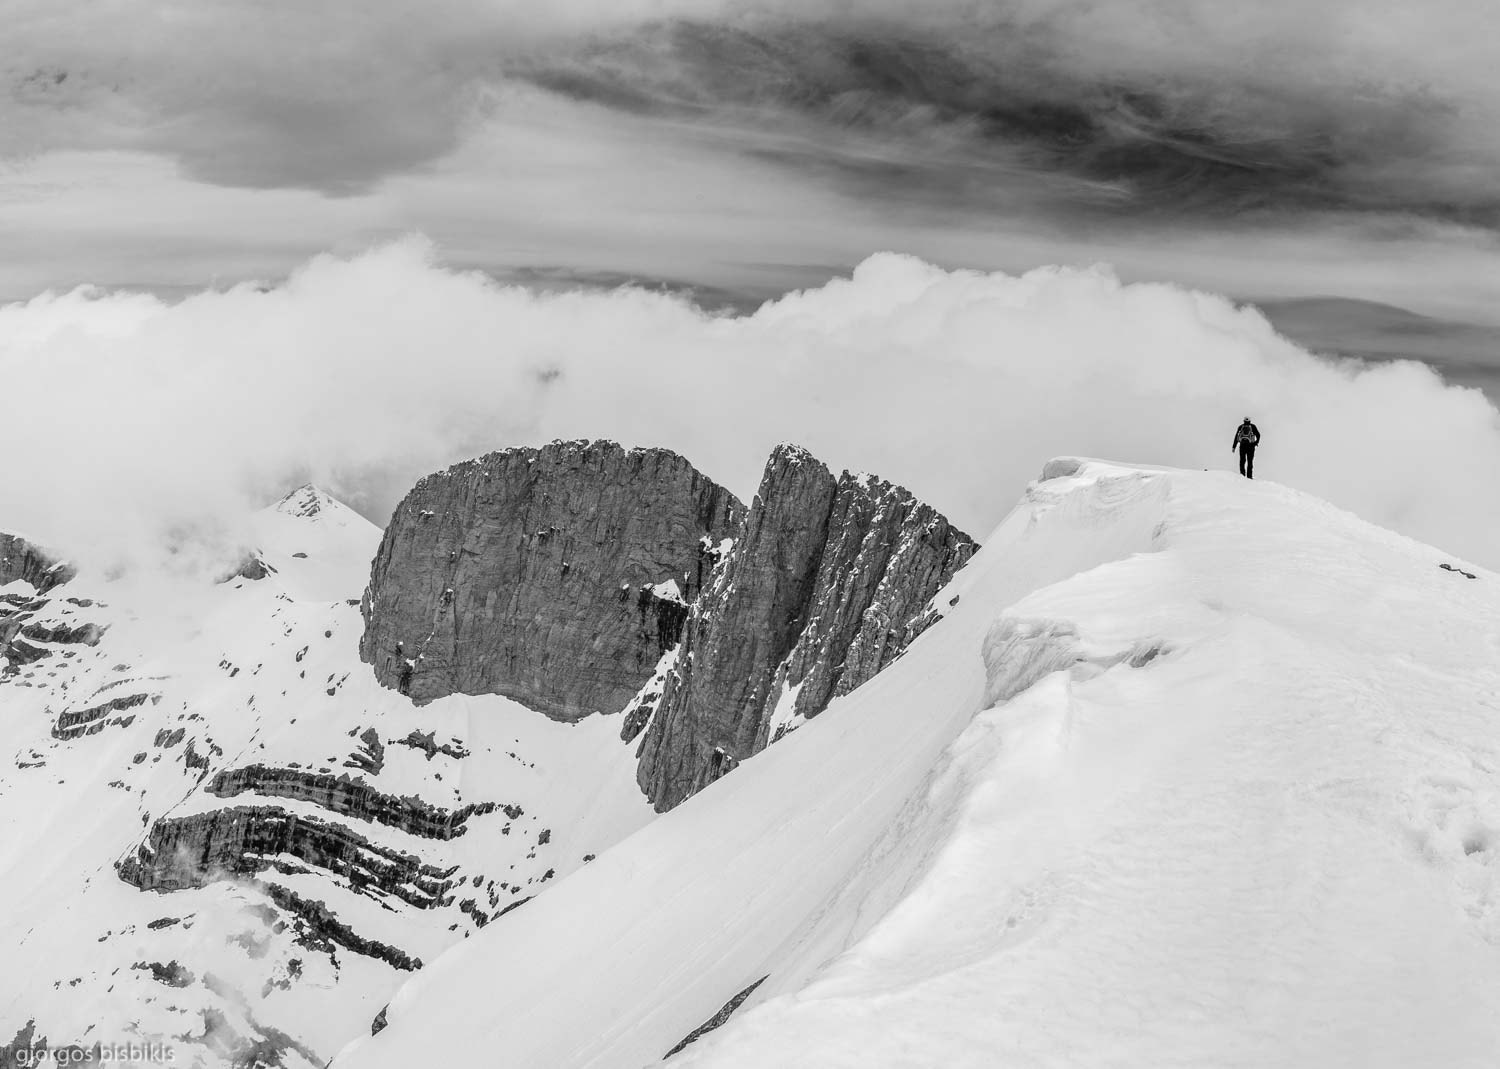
x,y
134,426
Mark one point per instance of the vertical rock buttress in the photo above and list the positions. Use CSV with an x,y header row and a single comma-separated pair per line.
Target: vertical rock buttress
x,y
827,583
534,574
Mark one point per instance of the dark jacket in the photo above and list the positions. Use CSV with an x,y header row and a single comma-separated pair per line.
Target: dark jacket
x,y
1254,439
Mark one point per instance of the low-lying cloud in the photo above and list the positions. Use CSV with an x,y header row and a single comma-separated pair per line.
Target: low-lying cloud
x,y
133,426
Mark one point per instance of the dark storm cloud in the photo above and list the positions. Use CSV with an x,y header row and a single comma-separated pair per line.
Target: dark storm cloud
x,y
1138,108
981,109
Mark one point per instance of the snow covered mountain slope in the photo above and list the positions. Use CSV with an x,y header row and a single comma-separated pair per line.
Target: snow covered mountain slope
x,y
219,831
1196,772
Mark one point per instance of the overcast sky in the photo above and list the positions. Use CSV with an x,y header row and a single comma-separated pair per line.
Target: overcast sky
x,y
1277,149
386,168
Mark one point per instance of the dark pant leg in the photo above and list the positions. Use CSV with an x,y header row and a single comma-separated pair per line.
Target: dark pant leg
x,y
1247,461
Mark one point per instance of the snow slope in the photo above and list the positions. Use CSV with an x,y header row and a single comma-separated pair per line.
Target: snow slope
x,y
1194,772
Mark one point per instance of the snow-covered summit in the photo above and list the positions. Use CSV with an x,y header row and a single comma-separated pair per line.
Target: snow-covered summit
x,y
1196,771
319,547
309,501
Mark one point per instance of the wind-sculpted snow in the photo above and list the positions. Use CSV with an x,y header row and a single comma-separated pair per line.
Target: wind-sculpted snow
x,y
1195,771
1020,651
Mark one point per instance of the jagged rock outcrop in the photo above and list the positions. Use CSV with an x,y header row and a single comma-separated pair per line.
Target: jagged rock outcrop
x,y
16,611
87,634
20,559
251,566
426,741
24,639
323,926
742,628
826,583
542,575
370,757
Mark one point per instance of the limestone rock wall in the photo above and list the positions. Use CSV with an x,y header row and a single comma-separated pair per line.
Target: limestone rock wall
x,y
530,573
828,583
582,578
348,796
20,559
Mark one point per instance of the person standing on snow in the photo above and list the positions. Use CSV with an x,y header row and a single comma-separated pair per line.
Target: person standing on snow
x,y
1246,438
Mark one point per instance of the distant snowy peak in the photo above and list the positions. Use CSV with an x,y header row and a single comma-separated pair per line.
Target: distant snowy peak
x,y
309,502
305,500
320,547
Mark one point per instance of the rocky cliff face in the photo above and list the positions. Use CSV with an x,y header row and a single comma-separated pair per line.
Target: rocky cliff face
x,y
742,628
826,584
20,559
581,578
554,576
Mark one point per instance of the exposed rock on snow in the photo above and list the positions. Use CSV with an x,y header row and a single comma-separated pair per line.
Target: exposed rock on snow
x,y
427,742
511,575
717,1020
244,840
305,502
348,796
27,635
89,721
251,566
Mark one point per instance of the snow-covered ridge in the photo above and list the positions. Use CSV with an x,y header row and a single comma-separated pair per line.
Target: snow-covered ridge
x,y
1196,771
319,547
